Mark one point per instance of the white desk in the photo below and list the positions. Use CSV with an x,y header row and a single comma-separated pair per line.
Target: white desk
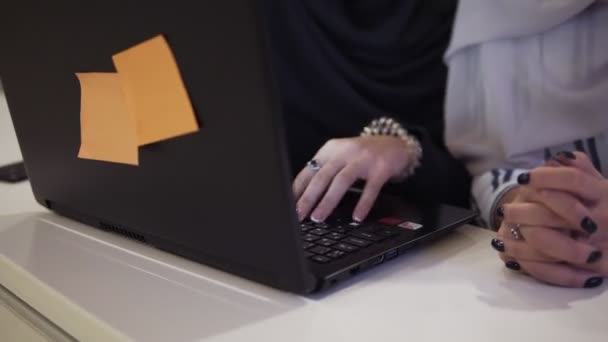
x,y
15,198
17,321
98,286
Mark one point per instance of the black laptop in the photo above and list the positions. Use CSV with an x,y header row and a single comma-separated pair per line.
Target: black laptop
x,y
221,196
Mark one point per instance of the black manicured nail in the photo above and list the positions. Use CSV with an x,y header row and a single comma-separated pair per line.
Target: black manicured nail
x,y
593,282
513,265
588,225
566,154
594,257
523,179
500,212
498,245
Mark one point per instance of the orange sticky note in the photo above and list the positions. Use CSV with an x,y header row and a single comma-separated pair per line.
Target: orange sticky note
x,y
107,128
155,92
145,102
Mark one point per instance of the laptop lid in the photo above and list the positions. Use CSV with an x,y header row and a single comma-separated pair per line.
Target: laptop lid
x,y
220,196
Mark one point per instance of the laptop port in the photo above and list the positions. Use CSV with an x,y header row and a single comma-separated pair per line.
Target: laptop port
x,y
372,262
391,254
376,261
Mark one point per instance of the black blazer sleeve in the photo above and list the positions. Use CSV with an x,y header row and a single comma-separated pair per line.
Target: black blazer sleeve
x,y
440,177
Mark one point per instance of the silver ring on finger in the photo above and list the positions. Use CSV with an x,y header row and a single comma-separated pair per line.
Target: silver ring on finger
x,y
314,165
515,232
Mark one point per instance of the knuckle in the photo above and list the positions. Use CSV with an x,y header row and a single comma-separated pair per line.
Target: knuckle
x,y
575,178
601,217
327,202
581,156
382,171
375,184
576,254
346,178
332,143
365,153
509,213
602,268
571,279
578,209
502,231
532,236
366,202
320,179
382,165
306,201
357,144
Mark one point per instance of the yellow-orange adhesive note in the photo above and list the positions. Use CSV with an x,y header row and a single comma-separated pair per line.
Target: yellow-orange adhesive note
x,y
107,128
149,99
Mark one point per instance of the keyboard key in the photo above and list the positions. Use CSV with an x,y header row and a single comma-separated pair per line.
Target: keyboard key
x,y
322,225
308,254
357,241
371,228
310,238
326,242
334,221
307,245
389,233
320,250
335,254
306,227
367,236
319,232
344,247
340,230
320,259
335,236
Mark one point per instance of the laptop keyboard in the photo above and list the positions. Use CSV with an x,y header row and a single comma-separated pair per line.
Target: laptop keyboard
x,y
326,242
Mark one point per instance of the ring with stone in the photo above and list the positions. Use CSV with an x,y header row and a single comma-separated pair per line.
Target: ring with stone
x,y
314,165
515,232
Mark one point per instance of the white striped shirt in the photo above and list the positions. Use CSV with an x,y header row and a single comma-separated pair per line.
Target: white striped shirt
x,y
489,187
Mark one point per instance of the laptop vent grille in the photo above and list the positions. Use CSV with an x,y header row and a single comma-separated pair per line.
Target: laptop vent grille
x,y
113,228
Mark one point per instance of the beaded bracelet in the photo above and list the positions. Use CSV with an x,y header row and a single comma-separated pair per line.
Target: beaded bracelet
x,y
390,127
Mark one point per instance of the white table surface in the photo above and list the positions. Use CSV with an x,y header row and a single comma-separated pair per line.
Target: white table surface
x,y
15,198
97,286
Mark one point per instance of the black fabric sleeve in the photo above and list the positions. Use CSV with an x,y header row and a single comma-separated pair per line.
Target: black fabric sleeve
x,y
440,177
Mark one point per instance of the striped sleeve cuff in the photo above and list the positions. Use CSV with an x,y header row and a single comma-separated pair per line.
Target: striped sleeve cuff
x,y
488,189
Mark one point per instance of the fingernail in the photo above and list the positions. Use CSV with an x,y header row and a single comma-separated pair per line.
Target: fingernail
x,y
498,245
315,219
500,212
523,179
594,257
593,282
589,225
513,265
357,219
566,154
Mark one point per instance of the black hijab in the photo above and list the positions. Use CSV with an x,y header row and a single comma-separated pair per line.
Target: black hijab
x,y
342,63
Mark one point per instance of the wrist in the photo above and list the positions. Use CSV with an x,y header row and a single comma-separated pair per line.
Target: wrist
x,y
389,127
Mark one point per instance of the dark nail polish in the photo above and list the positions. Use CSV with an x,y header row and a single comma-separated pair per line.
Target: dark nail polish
x,y
594,257
513,265
593,282
498,245
566,155
500,212
588,225
523,179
